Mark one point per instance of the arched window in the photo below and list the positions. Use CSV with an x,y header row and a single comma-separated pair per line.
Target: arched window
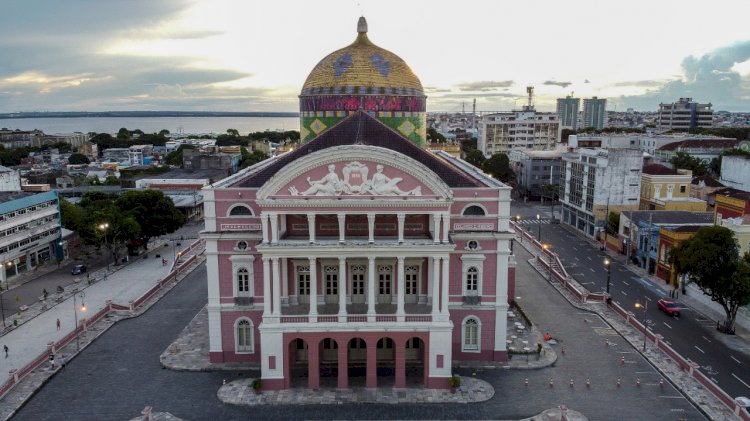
x,y
472,278
244,336
240,210
470,335
243,281
474,210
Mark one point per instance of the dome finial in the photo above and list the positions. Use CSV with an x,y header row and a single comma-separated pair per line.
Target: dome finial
x,y
362,25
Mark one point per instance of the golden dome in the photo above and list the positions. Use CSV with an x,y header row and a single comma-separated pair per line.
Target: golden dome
x,y
362,68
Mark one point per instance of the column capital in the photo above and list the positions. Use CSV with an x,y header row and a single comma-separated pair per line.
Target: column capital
x,y
371,258
371,216
311,216
401,215
342,259
275,259
400,258
264,215
272,214
341,214
312,259
266,258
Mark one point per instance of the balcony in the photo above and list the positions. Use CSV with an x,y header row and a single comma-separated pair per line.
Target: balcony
x,y
356,313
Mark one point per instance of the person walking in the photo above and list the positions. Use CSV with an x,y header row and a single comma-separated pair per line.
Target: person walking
x,y
5,348
58,324
52,361
62,361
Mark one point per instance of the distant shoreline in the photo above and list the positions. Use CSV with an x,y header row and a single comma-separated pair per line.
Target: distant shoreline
x,y
142,114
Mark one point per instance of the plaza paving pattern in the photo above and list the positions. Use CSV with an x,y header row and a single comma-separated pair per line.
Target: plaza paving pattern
x,y
120,373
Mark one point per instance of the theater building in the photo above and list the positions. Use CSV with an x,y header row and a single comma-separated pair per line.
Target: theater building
x,y
359,259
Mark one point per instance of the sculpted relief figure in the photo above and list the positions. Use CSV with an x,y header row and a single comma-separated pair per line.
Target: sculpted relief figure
x,y
355,183
330,185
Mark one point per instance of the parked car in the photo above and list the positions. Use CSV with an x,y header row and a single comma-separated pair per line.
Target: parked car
x,y
669,307
78,269
743,401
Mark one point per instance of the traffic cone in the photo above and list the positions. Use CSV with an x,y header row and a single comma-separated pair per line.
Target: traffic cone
x,y
526,382
637,382
618,382
551,383
588,382
572,383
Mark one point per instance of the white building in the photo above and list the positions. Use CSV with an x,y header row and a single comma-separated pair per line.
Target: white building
x,y
10,180
735,171
527,129
684,115
594,182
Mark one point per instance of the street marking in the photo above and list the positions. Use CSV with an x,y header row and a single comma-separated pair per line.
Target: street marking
x,y
625,283
702,351
706,338
592,269
665,324
672,397
733,375
605,331
577,258
735,359
575,249
623,292
648,298
589,257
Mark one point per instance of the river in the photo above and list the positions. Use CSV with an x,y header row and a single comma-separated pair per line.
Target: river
x,y
187,125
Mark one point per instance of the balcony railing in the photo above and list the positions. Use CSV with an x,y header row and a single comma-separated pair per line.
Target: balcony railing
x,y
412,318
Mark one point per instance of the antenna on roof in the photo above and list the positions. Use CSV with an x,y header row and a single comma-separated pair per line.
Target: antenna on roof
x,y
530,91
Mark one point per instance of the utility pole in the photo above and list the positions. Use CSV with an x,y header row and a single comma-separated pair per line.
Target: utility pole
x,y
630,237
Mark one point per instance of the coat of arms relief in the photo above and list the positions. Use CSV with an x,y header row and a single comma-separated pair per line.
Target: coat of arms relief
x,y
355,181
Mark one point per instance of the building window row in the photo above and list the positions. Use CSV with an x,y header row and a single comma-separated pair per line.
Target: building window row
x,y
28,240
23,227
28,209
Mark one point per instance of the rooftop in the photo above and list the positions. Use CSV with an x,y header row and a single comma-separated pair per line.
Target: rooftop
x,y
701,143
658,169
707,181
732,192
671,217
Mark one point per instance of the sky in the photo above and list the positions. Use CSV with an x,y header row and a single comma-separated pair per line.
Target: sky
x,y
225,55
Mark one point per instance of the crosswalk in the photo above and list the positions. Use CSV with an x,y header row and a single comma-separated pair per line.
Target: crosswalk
x,y
533,221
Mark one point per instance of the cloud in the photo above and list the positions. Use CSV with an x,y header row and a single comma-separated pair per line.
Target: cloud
x,y
708,78
639,84
560,84
481,95
483,86
433,89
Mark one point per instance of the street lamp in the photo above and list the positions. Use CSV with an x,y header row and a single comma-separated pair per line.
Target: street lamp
x,y
645,308
608,264
546,247
75,316
539,232
104,226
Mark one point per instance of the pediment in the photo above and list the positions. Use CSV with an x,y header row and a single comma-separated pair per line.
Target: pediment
x,y
355,172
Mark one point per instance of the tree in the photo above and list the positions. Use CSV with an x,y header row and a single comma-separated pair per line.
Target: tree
x,y
613,223
685,161
498,166
475,157
434,136
233,132
77,158
551,191
175,157
711,259
249,159
123,134
154,212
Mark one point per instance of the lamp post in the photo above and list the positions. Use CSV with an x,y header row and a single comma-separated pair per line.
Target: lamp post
x,y
104,227
2,306
75,316
546,247
608,264
645,308
539,231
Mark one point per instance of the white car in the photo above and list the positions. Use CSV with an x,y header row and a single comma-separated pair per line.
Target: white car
x,y
745,402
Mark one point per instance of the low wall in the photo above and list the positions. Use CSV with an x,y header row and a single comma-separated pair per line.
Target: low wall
x,y
17,375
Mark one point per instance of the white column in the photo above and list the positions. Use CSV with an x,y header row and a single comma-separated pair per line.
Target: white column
x,y
313,290
276,287
311,226
400,291
274,227
214,294
371,227
266,286
446,226
342,289
371,288
435,285
342,227
284,280
435,227
401,218
430,275
445,286
264,226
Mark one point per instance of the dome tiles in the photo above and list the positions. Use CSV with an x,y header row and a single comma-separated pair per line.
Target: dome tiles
x,y
363,76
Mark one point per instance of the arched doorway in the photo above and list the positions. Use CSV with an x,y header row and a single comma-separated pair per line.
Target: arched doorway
x,y
297,363
357,362
328,364
385,355
416,362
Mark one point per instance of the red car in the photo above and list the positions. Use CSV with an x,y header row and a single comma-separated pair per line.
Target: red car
x,y
669,307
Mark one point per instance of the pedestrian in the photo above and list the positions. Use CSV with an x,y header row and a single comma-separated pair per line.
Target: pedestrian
x,y
45,294
62,361
52,361
105,276
5,348
58,324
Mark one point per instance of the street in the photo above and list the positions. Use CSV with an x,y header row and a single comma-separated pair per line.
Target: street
x,y
723,358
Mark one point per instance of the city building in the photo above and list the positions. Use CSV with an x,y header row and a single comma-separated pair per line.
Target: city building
x,y
140,154
706,149
199,159
669,238
358,253
684,115
30,231
10,179
704,187
535,169
663,188
595,182
594,113
640,230
526,129
740,227
367,78
731,203
735,171
567,112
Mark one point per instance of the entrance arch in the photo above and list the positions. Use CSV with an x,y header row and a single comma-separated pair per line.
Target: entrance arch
x,y
416,362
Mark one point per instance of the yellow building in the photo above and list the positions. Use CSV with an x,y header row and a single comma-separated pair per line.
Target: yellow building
x,y
663,188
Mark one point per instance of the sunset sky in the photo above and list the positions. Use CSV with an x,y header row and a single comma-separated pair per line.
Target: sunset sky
x,y
222,55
